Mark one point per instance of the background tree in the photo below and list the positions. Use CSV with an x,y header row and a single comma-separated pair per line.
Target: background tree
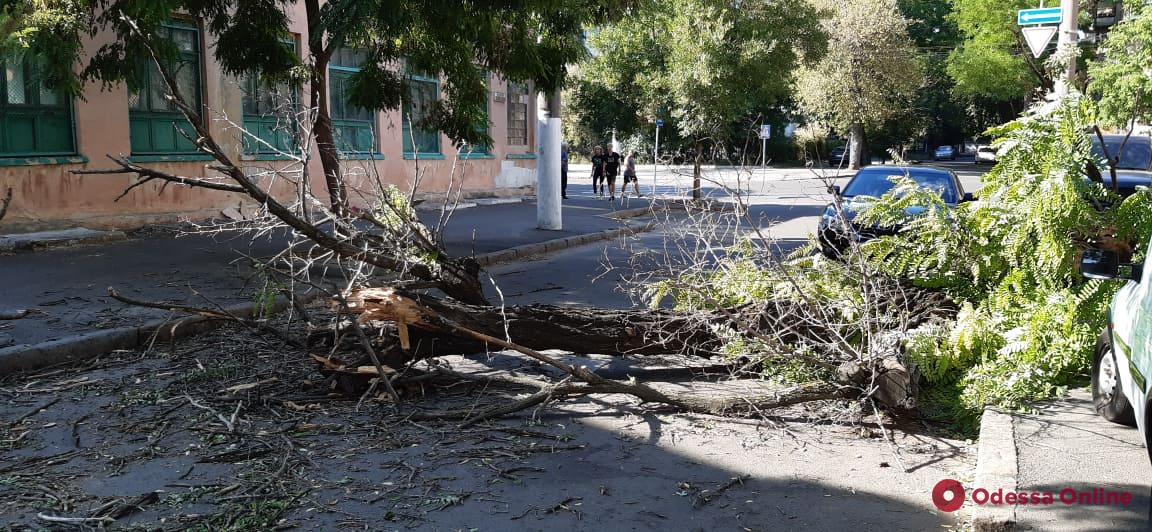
x,y
993,66
527,40
938,111
871,69
592,113
1122,77
702,65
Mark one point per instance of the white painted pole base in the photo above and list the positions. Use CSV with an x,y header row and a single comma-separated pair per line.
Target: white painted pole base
x,y
548,210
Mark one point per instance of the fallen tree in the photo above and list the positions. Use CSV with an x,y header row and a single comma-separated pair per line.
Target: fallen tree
x,y
434,325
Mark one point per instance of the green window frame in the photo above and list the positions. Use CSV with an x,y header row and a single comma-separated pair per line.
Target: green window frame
x,y
517,114
353,127
468,151
157,128
423,92
35,121
269,115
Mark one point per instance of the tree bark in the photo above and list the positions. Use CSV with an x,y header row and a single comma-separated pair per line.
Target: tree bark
x,y
4,203
696,164
432,325
856,145
322,125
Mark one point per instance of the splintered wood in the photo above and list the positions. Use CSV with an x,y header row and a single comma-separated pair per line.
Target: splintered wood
x,y
384,304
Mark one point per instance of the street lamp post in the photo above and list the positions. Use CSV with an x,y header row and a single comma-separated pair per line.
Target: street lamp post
x,y
656,155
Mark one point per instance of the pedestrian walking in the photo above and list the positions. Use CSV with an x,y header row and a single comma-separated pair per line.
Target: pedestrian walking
x,y
611,170
630,175
563,171
598,171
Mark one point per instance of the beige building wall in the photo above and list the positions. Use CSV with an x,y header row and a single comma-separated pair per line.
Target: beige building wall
x,y
49,196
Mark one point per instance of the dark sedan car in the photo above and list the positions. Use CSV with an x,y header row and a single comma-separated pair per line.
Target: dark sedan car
x,y
871,183
1134,167
838,157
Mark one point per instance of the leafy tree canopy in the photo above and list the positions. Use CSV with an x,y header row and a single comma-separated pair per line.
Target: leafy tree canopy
x,y
1122,79
993,61
702,64
525,40
871,70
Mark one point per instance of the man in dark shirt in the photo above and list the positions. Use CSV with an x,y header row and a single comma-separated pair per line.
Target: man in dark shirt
x,y
598,171
564,172
611,170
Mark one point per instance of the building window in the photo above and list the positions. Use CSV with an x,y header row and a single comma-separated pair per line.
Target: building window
x,y
156,126
517,114
353,126
482,149
34,120
423,91
269,115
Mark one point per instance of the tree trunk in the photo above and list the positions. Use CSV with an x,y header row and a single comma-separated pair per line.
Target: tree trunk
x,y
856,146
4,203
428,327
322,126
432,324
696,164
458,278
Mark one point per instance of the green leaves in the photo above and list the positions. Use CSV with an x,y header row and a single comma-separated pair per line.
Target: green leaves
x,y
871,70
703,64
1122,79
992,62
1029,320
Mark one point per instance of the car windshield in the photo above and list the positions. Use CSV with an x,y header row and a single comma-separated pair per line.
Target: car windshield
x,y
1137,153
876,182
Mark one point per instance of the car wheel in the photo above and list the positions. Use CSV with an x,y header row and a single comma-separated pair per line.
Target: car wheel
x,y
1107,395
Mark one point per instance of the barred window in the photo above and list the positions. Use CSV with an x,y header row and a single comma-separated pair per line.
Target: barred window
x,y
354,126
517,114
34,120
423,91
156,126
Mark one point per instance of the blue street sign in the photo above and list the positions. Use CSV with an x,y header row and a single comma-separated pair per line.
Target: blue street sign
x,y
659,122
1044,15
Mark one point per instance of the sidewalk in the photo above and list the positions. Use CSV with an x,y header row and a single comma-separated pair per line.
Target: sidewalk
x,y
1065,444
68,286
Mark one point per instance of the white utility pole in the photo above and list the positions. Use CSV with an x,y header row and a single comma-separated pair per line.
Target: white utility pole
x,y
548,210
1068,44
656,157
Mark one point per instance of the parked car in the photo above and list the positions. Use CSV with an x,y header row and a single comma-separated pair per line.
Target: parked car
x,y
985,155
945,152
838,157
869,184
1134,167
1122,363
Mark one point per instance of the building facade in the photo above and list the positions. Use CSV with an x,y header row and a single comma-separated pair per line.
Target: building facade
x,y
45,137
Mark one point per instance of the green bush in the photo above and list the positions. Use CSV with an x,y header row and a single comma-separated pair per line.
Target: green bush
x,y
1029,321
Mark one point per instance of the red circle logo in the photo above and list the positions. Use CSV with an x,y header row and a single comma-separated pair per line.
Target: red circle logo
x,y
948,495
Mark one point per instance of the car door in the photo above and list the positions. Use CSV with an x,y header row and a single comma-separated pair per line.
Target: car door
x,y
1137,343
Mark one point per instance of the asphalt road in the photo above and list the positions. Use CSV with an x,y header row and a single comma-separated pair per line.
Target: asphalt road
x,y
787,200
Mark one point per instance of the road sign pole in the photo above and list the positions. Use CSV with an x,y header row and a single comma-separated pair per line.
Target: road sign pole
x,y
1070,10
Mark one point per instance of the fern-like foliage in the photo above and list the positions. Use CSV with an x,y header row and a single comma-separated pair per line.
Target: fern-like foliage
x,y
1029,320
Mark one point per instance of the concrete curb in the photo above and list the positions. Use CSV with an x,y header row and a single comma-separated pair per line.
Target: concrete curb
x,y
89,345
49,239
996,468
84,346
550,246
